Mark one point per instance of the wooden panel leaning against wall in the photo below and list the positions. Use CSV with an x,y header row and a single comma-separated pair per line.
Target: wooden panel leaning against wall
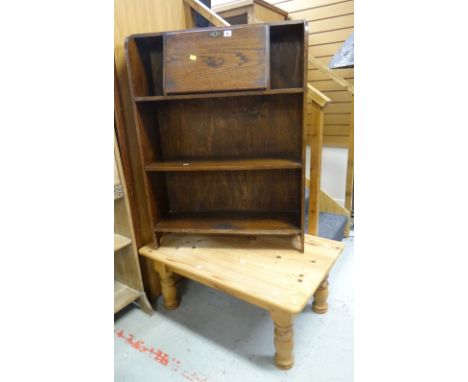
x,y
331,22
132,17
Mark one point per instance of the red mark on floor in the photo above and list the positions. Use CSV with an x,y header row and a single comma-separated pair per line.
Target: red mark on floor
x,y
159,356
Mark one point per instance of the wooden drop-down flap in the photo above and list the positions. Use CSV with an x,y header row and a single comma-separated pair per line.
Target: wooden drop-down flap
x,y
197,61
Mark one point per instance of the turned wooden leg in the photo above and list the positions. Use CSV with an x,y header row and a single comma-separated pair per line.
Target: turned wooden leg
x,y
168,286
320,304
284,358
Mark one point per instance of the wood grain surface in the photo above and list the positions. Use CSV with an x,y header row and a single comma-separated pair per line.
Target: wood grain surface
x,y
248,223
219,94
217,59
233,165
268,272
221,128
287,55
246,191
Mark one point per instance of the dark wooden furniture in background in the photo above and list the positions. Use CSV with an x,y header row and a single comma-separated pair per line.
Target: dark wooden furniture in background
x,y
227,157
249,12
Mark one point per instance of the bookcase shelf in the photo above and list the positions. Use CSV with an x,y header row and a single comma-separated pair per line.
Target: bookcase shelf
x,y
124,295
121,241
219,94
222,165
281,223
219,114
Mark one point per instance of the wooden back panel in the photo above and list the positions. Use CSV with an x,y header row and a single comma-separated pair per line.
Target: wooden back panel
x,y
220,128
287,41
255,191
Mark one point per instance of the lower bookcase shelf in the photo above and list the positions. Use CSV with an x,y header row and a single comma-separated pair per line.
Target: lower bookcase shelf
x,y
121,241
231,223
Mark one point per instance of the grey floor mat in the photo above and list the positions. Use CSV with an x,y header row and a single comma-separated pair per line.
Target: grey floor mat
x,y
331,226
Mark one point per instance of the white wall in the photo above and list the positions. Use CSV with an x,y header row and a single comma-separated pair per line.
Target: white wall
x,y
333,177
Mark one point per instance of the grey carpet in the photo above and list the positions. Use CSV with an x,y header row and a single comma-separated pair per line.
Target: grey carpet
x,y
331,226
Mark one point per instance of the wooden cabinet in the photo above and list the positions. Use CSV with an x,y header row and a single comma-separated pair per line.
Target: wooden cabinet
x,y
218,159
249,12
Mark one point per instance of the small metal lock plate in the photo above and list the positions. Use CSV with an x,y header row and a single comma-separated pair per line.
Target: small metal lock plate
x,y
215,34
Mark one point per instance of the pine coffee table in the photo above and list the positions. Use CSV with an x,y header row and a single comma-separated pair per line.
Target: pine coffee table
x,y
268,272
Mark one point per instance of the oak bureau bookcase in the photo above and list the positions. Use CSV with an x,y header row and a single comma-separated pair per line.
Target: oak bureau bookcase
x,y
219,115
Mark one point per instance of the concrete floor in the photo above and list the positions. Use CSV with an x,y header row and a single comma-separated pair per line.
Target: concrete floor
x,y
215,337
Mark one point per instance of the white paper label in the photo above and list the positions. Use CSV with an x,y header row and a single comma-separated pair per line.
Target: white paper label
x,y
227,33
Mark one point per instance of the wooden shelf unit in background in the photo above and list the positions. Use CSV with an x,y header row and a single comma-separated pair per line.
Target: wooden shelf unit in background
x,y
128,284
220,130
249,12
